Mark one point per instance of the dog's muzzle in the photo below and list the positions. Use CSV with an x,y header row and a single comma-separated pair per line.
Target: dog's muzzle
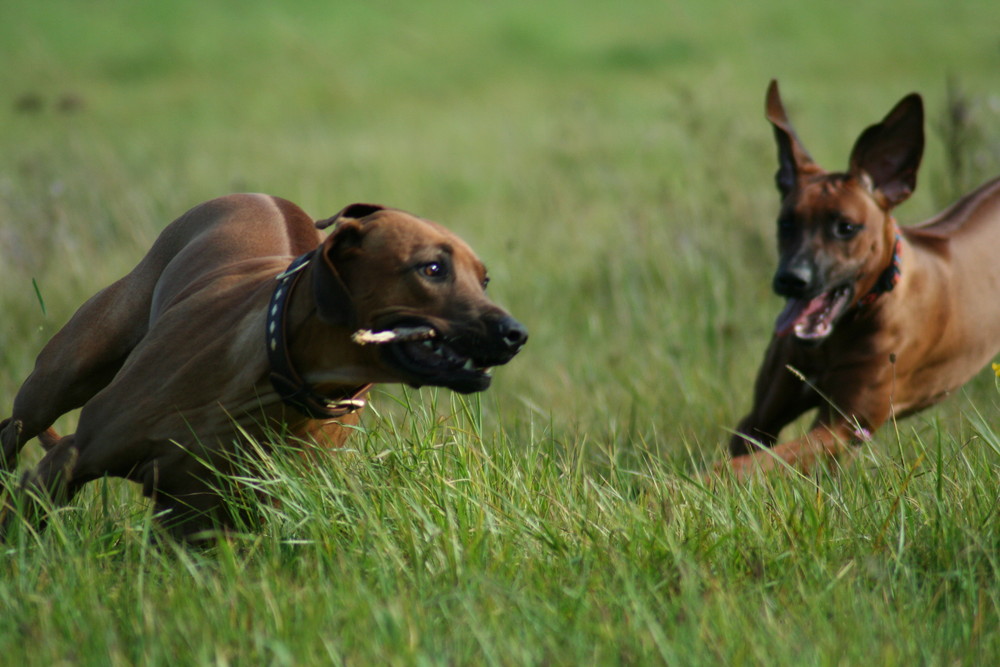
x,y
458,357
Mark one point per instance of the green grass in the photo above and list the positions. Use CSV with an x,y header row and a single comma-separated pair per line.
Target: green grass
x,y
611,164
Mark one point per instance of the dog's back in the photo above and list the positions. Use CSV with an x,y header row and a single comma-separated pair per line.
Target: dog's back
x,y
83,357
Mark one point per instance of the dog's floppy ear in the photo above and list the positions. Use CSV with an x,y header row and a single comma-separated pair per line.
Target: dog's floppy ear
x,y
792,156
888,153
353,211
333,297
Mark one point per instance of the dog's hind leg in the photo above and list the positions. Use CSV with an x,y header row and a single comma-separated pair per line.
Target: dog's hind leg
x,y
80,360
84,356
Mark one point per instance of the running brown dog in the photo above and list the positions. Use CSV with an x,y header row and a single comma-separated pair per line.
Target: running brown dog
x,y
216,336
880,321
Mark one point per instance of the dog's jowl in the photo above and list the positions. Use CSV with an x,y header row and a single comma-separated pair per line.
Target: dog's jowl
x,y
245,319
879,320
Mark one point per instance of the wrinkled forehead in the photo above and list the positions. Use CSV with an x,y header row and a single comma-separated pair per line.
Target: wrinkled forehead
x,y
830,196
396,232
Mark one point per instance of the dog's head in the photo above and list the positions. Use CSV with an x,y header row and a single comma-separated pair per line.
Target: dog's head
x,y
416,293
836,235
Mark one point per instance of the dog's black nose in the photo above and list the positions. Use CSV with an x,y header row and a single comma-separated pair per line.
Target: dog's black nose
x,y
793,281
513,334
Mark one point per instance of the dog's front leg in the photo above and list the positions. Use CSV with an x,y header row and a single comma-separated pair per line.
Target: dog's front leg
x,y
823,445
780,397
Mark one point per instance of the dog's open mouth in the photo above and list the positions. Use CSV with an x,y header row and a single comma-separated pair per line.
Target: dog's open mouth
x,y
813,319
427,357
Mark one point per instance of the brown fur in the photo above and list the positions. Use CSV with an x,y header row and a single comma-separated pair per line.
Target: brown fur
x,y
170,366
911,346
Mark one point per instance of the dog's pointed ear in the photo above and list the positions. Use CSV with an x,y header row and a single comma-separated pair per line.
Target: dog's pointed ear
x,y
353,211
334,303
793,158
888,154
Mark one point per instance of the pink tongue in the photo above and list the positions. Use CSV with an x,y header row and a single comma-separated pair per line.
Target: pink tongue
x,y
798,310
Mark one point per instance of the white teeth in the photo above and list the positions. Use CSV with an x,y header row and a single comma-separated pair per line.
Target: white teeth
x,y
470,365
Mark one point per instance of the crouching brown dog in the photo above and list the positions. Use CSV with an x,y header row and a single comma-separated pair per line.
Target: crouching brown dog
x,y
880,321
218,334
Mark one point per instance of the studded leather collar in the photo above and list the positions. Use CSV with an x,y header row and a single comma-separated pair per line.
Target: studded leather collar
x,y
291,387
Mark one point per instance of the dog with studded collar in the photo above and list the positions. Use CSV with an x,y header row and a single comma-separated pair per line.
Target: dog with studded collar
x,y
242,320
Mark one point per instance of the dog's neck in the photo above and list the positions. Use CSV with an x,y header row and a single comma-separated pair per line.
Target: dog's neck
x,y
294,390
889,277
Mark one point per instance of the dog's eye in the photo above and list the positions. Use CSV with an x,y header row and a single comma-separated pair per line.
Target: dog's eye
x,y
845,229
434,270
486,281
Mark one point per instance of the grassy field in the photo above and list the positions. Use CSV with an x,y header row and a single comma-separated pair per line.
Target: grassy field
x,y
611,164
